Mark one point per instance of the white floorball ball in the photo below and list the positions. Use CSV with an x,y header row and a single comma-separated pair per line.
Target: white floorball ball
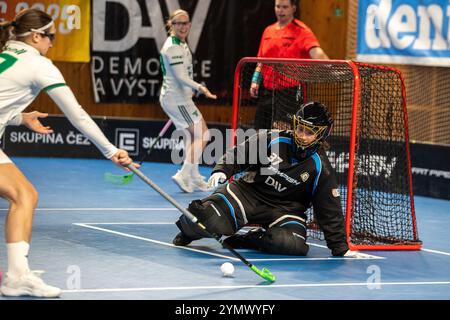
x,y
227,269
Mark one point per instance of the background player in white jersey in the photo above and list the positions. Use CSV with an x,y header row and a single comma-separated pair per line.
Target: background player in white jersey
x,y
24,72
176,99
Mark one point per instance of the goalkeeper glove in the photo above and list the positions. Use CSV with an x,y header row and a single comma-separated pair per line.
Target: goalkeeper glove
x,y
216,179
354,254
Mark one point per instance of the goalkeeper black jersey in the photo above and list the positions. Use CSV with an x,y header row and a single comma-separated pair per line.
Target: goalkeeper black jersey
x,y
275,172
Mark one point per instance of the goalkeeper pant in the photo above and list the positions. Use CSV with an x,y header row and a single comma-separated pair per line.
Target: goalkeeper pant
x,y
285,234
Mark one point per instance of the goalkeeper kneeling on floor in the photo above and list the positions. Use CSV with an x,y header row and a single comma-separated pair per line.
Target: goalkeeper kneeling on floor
x,y
275,191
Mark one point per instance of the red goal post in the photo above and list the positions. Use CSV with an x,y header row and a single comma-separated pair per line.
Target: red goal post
x,y
369,144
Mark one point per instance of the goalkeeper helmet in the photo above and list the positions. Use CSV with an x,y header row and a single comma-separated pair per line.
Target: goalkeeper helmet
x,y
312,124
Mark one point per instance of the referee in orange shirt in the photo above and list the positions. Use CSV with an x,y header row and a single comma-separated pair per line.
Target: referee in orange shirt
x,y
286,38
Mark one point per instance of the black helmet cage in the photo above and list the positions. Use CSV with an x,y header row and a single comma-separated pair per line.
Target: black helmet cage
x,y
313,118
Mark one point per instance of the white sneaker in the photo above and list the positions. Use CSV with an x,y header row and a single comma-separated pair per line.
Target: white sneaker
x,y
29,284
183,182
200,183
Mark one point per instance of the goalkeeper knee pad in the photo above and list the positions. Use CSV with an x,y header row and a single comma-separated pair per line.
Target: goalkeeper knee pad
x,y
280,240
215,222
190,229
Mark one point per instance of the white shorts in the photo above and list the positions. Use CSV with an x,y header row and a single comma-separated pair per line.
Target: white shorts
x,y
4,158
182,111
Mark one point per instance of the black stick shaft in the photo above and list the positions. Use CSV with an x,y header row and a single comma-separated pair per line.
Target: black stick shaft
x,y
186,212
163,193
160,135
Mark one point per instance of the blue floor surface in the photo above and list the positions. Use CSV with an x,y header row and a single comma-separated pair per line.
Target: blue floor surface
x,y
97,240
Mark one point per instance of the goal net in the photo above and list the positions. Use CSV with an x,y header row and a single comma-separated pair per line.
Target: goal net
x,y
368,146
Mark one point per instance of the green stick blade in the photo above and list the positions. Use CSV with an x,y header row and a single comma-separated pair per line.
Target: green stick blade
x,y
264,273
119,179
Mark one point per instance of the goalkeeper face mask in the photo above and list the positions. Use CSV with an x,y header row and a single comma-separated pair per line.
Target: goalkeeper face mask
x,y
312,124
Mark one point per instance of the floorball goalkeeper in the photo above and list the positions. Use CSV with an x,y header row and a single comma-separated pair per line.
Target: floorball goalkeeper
x,y
275,191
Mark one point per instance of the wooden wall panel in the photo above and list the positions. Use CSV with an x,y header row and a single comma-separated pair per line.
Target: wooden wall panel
x,y
320,15
328,20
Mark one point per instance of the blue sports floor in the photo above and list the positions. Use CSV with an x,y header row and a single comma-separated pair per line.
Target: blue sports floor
x,y
97,240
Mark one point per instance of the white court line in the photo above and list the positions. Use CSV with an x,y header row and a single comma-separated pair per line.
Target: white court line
x,y
368,256
174,209
126,223
271,286
436,251
154,241
90,225
100,209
